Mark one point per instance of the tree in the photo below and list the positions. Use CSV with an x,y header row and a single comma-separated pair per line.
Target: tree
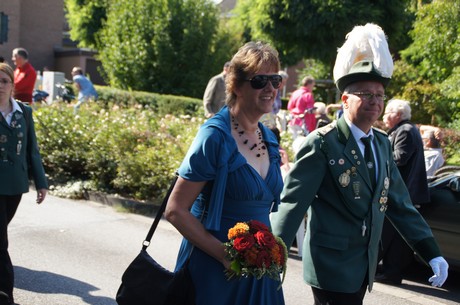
x,y
316,28
434,59
164,46
85,19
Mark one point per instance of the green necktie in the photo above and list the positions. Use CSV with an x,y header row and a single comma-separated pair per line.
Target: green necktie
x,y
369,157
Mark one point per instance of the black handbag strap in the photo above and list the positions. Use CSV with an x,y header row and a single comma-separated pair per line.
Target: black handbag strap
x,y
146,242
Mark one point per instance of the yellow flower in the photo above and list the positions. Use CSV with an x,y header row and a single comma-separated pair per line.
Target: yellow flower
x,y
240,228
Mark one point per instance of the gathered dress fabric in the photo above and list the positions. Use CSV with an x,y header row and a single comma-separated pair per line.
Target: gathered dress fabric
x,y
235,192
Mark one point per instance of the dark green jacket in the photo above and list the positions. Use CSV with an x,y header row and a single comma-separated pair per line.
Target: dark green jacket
x,y
331,180
19,154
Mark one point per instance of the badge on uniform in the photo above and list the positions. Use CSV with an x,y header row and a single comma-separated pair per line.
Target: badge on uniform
x,y
344,179
356,187
384,199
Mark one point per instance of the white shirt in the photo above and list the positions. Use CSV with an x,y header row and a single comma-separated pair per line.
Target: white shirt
x,y
9,116
358,134
433,160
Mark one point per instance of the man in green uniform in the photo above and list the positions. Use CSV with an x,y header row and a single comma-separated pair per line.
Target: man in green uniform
x,y
348,193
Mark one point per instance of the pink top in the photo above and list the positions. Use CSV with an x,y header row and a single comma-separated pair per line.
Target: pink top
x,y
301,100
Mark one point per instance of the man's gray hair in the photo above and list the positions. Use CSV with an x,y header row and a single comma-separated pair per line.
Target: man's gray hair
x,y
400,106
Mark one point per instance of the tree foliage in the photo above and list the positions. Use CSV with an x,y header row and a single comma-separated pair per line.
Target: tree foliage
x,y
316,28
85,18
430,77
164,46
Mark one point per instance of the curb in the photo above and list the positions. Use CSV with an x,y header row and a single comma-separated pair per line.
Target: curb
x,y
116,201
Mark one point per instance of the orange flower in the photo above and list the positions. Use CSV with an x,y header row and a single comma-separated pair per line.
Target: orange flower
x,y
276,254
240,228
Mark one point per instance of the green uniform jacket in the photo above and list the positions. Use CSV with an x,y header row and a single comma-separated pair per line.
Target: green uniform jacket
x,y
19,154
345,215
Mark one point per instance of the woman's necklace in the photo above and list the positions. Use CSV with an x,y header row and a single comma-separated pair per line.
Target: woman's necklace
x,y
259,147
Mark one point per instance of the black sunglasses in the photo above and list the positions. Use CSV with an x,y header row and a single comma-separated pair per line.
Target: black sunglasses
x,y
260,81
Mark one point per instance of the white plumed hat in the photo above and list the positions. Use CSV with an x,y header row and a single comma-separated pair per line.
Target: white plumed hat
x,y
364,56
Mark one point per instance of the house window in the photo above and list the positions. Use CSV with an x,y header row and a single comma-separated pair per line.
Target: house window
x,y
3,28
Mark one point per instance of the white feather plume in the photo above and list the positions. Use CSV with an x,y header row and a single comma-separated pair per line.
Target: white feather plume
x,y
366,42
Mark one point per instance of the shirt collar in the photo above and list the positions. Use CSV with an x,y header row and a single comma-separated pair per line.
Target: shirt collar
x,y
356,132
16,106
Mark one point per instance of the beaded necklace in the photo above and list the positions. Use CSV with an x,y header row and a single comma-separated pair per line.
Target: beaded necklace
x,y
259,147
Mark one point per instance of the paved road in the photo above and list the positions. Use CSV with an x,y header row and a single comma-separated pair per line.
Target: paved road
x,y
69,252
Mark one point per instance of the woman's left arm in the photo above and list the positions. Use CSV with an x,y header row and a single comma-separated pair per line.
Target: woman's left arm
x,y
178,214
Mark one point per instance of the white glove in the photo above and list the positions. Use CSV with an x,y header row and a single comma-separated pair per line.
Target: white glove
x,y
439,267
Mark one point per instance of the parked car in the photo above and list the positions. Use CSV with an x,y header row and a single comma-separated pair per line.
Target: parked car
x,y
443,212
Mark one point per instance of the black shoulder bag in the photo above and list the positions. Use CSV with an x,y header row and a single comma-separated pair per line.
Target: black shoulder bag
x,y
145,282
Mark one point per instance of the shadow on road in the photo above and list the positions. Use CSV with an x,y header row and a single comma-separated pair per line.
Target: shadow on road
x,y
420,274
52,283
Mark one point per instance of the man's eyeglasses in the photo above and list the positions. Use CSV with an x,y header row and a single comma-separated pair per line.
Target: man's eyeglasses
x,y
367,96
260,81
4,81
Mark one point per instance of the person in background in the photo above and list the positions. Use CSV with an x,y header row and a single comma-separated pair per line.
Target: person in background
x,y
278,102
336,109
24,76
18,153
345,176
407,147
232,170
214,95
85,87
284,164
321,116
301,107
432,153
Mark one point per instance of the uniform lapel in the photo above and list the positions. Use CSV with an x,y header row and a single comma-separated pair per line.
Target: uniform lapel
x,y
381,161
352,151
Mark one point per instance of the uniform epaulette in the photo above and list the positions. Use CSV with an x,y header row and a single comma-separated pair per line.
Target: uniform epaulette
x,y
380,131
326,129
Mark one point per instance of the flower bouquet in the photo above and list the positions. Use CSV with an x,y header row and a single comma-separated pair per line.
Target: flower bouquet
x,y
254,251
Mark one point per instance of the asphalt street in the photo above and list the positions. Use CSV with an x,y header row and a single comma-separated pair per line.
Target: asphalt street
x,y
68,252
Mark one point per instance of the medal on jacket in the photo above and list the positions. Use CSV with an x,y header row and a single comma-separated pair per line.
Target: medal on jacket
x,y
4,154
384,199
19,145
344,178
356,186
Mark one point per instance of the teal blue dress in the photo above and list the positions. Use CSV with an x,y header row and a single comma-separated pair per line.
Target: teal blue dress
x,y
235,192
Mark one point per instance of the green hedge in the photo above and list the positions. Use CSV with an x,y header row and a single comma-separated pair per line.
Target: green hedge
x,y
132,152
161,104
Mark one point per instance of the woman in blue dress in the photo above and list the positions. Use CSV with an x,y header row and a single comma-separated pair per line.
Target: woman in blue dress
x,y
230,174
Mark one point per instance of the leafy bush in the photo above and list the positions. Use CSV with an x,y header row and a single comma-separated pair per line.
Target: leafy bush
x,y
161,104
133,151
451,143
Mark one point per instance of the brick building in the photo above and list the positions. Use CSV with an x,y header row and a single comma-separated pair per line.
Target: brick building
x,y
39,27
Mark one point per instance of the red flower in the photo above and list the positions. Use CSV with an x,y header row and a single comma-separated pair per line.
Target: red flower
x,y
256,226
265,238
243,243
254,251
250,256
263,259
